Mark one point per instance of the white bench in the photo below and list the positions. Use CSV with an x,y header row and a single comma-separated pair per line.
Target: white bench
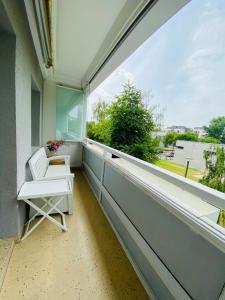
x,y
41,170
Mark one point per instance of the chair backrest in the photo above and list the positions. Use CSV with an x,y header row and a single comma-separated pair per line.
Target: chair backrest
x,y
38,164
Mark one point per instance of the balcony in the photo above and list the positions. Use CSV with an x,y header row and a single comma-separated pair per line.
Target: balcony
x,y
164,226
137,231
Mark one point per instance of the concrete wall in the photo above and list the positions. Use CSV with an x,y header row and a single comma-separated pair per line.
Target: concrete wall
x,y
194,151
26,67
74,149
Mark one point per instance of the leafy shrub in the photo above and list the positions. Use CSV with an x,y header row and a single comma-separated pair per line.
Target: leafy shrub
x,y
170,139
189,136
215,169
215,174
209,139
99,131
148,150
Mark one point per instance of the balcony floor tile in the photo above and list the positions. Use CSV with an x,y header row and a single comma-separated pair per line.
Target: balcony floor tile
x,y
87,262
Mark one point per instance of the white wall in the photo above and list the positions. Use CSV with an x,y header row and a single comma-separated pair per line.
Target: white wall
x,y
194,151
74,149
26,67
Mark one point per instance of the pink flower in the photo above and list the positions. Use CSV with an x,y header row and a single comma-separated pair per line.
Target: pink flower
x,y
53,145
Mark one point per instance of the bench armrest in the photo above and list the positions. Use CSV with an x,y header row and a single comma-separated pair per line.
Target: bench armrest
x,y
65,157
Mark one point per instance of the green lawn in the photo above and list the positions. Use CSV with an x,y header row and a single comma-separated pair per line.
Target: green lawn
x,y
179,169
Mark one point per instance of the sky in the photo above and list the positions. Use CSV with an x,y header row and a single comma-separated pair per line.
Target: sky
x,y
182,67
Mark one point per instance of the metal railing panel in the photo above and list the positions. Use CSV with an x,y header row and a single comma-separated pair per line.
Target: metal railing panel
x,y
191,249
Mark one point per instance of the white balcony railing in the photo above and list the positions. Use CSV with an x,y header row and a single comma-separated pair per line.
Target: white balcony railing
x,y
171,220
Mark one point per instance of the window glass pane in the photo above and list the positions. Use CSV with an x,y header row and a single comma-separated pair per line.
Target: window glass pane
x,y
69,114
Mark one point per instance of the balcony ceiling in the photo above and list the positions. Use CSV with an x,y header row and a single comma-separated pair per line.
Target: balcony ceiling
x,y
81,28
85,32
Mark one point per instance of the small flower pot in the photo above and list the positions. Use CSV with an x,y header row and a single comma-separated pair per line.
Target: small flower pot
x,y
51,153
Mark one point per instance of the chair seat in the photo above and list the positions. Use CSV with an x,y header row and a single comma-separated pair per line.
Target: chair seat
x,y
60,170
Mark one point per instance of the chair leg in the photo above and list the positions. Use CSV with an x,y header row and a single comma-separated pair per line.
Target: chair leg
x,y
28,232
51,205
59,211
46,215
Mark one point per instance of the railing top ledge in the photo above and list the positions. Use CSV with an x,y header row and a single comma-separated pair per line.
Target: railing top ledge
x,y
209,195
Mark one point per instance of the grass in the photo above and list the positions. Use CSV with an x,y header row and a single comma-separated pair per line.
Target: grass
x,y
179,169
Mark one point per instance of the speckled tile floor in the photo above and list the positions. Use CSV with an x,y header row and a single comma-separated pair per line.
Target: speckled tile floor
x,y
87,262
6,247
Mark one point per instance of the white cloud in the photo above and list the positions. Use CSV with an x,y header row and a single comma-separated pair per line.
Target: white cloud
x,y
111,87
183,64
204,90
113,84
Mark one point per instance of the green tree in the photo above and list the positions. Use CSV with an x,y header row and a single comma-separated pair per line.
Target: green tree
x,y
208,139
215,174
131,122
216,129
100,110
132,125
126,125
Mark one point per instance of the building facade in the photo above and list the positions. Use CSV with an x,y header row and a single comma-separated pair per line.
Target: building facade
x,y
178,129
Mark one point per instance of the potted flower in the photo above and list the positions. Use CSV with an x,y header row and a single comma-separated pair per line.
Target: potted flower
x,y
53,146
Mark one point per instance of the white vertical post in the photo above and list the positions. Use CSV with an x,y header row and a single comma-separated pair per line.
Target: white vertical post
x,y
85,96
